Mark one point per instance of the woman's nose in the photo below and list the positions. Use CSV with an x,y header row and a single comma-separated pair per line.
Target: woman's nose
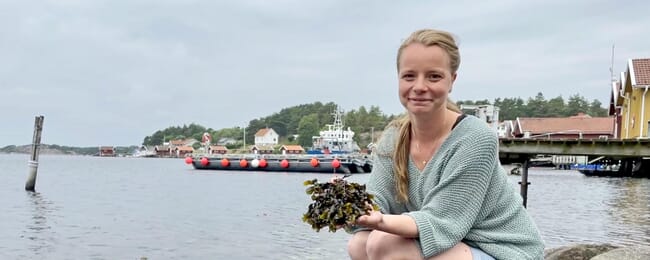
x,y
419,84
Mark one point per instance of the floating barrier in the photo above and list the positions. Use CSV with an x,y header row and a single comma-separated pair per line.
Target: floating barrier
x,y
339,163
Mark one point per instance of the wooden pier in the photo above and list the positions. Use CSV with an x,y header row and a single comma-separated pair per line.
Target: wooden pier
x,y
633,154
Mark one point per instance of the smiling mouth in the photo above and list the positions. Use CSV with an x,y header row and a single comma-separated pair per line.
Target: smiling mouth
x,y
419,99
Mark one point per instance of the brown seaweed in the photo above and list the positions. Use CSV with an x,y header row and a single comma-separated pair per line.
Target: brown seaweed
x,y
336,204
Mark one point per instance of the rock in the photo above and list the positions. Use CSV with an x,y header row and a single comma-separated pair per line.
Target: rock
x,y
628,253
550,251
577,252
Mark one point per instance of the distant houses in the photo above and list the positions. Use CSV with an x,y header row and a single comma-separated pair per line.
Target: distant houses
x,y
266,136
107,151
163,150
266,142
183,151
262,149
292,149
217,149
580,126
629,113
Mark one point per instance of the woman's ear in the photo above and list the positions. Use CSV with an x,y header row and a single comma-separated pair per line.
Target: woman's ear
x,y
453,79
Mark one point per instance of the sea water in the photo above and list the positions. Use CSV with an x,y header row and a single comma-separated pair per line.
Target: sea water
x,y
128,208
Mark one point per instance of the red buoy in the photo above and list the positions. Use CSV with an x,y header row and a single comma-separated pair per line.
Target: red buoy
x,y
263,163
336,163
284,164
243,163
314,162
225,162
189,160
205,161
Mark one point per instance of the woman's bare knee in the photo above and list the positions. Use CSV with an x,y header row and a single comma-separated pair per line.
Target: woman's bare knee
x,y
460,251
382,245
357,245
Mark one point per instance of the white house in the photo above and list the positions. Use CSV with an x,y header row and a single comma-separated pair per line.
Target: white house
x,y
266,136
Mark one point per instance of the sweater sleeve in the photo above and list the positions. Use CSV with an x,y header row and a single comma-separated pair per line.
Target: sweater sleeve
x,y
381,183
381,180
451,207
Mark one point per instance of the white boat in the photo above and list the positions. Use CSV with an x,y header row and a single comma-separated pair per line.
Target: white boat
x,y
144,152
336,139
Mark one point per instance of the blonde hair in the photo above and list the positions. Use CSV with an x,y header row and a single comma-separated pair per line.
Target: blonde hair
x,y
427,37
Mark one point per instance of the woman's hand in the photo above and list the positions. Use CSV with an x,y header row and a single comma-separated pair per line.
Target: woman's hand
x,y
374,220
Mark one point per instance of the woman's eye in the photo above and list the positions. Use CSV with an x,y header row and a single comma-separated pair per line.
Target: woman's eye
x,y
408,77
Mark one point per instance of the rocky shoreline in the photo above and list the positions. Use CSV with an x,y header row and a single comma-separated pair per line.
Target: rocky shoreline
x,y
52,149
597,252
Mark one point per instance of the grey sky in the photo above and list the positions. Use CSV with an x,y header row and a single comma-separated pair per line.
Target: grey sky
x,y
113,72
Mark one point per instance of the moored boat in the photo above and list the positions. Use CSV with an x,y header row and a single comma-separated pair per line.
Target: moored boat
x,y
600,170
335,139
629,167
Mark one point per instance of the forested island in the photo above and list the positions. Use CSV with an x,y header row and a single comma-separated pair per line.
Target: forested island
x,y
306,120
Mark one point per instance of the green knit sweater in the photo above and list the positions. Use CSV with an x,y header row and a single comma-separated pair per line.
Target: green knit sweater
x,y
462,194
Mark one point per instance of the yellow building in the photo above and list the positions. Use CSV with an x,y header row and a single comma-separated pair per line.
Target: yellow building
x,y
630,99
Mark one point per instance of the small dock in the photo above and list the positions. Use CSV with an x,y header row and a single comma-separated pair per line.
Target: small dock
x,y
629,154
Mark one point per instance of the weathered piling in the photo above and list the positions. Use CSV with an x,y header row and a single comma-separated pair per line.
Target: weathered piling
x,y
33,162
524,181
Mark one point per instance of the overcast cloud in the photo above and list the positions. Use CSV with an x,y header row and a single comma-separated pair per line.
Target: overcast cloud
x,y
113,72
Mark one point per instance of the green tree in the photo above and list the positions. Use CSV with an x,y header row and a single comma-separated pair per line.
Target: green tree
x,y
510,108
537,106
576,104
307,128
596,109
175,132
556,107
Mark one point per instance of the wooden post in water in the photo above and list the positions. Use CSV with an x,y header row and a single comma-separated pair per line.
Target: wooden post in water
x,y
524,181
33,162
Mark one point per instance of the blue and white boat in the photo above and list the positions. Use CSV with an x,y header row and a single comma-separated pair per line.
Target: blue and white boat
x,y
334,140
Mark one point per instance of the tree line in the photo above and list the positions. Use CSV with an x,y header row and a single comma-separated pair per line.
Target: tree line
x,y
64,150
538,106
301,121
306,120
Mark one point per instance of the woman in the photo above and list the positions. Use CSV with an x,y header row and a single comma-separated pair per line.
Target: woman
x,y
436,174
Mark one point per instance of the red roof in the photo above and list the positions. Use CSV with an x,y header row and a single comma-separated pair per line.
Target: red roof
x,y
262,132
641,70
292,148
263,148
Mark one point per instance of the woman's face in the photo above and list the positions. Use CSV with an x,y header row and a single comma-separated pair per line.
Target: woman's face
x,y
425,78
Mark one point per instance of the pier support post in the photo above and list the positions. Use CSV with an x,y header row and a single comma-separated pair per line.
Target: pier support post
x,y
524,181
33,162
